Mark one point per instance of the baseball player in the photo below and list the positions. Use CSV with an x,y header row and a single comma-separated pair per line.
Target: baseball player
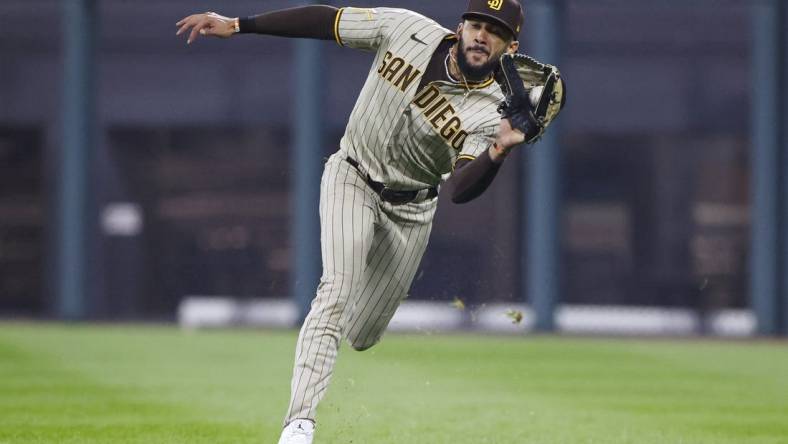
x,y
428,109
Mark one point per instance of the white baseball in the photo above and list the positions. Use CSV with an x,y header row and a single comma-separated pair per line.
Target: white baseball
x,y
535,95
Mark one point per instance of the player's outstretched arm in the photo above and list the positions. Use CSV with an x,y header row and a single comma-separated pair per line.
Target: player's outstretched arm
x,y
313,21
472,177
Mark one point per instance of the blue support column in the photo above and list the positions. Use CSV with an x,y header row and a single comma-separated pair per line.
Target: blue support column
x,y
307,169
765,283
541,266
78,120
780,12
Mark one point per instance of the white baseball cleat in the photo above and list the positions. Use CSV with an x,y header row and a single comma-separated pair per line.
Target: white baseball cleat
x,y
299,431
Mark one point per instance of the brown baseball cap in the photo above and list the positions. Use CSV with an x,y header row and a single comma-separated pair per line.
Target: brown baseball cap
x,y
507,13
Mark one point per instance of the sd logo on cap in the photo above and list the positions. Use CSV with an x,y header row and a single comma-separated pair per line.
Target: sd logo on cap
x,y
507,13
495,4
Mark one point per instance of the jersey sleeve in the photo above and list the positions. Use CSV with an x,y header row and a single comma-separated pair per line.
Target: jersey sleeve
x,y
367,28
477,142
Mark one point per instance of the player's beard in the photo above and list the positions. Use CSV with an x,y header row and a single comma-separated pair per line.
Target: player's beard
x,y
475,72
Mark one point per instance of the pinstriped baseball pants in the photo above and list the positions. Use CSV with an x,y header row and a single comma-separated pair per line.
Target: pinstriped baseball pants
x,y
371,251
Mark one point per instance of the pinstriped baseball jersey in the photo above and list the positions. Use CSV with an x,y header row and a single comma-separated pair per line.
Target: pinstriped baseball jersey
x,y
405,137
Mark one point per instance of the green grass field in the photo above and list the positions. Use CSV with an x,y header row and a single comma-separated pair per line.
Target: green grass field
x,y
135,384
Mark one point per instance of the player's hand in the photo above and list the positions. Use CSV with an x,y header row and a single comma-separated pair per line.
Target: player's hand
x,y
209,23
508,137
507,140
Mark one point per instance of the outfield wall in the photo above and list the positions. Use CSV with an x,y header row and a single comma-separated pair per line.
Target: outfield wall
x,y
424,316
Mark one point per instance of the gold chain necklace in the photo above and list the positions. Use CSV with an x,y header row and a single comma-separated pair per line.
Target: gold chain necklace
x,y
464,80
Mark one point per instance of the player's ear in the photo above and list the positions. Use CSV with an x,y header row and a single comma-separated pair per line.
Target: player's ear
x,y
459,29
514,45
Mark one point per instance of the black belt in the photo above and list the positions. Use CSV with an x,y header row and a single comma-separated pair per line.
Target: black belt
x,y
393,197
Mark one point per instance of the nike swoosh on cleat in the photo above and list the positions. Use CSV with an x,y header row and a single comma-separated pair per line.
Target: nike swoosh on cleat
x,y
413,37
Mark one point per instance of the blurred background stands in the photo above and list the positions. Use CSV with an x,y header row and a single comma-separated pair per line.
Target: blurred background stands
x,y
189,172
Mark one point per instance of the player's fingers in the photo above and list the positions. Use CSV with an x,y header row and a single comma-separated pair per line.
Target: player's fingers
x,y
183,28
195,31
187,23
207,30
184,20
